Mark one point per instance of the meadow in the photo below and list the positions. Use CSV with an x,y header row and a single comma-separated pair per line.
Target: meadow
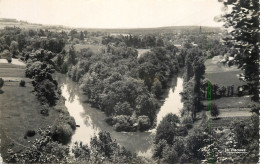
x,y
20,110
231,108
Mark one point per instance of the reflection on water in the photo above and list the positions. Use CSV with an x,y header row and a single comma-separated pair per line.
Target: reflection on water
x,y
76,110
91,120
173,102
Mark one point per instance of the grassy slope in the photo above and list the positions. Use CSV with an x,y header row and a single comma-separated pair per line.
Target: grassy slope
x,y
19,111
222,75
231,108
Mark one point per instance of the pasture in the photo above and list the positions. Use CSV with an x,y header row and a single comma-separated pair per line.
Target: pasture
x,y
20,110
230,108
222,75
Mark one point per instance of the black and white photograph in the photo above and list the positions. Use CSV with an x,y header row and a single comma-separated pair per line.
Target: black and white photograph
x,y
129,81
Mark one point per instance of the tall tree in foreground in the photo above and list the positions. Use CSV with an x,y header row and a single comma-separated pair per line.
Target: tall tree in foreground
x,y
243,22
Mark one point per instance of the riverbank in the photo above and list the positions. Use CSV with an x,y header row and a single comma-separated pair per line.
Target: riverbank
x,y
92,120
24,115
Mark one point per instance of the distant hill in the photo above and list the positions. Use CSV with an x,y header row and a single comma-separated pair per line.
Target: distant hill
x,y
170,29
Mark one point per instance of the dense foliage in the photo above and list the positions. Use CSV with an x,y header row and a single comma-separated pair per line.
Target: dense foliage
x,y
102,149
193,77
171,145
123,86
243,20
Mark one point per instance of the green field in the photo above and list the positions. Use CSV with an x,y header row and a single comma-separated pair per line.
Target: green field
x,y
231,108
20,110
230,102
225,122
222,75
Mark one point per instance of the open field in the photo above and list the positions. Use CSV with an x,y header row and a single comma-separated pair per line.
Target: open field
x,y
231,108
225,122
222,75
20,111
232,112
230,102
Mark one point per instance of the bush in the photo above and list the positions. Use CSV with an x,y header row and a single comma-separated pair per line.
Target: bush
x,y
123,108
182,131
62,133
1,82
187,121
214,110
144,123
170,155
81,152
123,123
158,149
46,92
22,83
45,110
30,133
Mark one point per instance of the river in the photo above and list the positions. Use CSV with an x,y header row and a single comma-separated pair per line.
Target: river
x,y
91,120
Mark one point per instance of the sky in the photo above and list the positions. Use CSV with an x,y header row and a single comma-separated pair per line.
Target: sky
x,y
113,13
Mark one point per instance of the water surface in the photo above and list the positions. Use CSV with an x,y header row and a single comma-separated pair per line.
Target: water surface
x,y
91,120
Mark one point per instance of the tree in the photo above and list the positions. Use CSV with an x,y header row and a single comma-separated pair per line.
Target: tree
x,y
167,128
14,49
123,108
243,20
81,37
170,155
6,55
157,88
72,56
214,110
1,82
22,83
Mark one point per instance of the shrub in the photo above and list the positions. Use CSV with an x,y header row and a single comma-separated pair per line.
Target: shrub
x,y
123,108
22,83
170,155
185,159
214,110
45,110
62,133
181,131
187,121
81,152
30,133
46,92
158,149
1,82
123,123
144,123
